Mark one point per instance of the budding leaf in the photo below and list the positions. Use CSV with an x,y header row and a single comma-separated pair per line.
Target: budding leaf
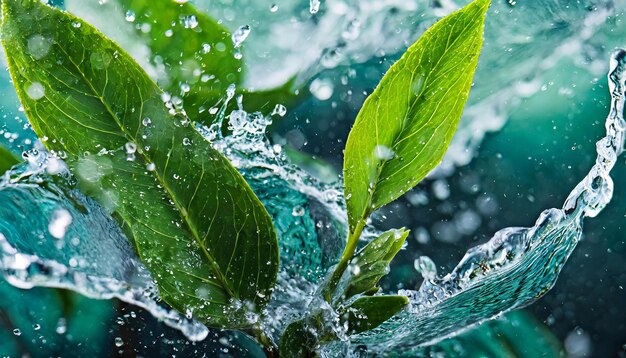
x,y
372,262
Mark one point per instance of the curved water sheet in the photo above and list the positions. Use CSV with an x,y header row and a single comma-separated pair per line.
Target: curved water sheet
x,y
515,268
53,236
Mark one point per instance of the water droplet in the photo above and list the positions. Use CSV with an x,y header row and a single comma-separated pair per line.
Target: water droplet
x,y
206,48
322,89
35,91
169,33
130,16
119,342
150,167
36,327
298,211
61,326
314,6
240,35
190,22
39,46
280,110
186,141
146,122
383,152
17,332
273,8
185,88
426,267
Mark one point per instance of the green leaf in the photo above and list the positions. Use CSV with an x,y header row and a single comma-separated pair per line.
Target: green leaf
x,y
199,53
372,262
7,160
369,312
297,340
406,124
194,221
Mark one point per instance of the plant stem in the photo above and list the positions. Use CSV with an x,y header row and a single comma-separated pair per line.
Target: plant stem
x,y
348,254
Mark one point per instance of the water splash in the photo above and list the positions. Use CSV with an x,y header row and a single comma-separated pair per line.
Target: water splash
x,y
94,258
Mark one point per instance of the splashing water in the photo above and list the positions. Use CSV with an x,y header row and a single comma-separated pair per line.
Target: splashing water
x,y
92,256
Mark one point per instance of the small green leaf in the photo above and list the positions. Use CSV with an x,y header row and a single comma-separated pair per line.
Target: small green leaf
x,y
195,223
7,160
197,52
369,312
372,262
406,124
297,341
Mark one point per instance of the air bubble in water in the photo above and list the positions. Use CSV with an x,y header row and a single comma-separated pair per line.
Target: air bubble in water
x,y
35,91
240,35
314,6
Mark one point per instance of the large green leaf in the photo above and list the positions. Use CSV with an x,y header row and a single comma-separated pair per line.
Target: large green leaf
x,y
195,222
406,124
198,53
7,160
372,262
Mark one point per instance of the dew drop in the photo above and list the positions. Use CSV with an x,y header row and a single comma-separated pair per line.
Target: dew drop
x,y
17,332
190,22
130,16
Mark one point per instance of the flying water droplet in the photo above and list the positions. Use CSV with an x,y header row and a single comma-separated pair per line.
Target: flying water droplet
x,y
280,110
314,6
425,266
240,35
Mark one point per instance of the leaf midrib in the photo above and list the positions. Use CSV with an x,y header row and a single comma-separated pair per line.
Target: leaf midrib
x,y
179,207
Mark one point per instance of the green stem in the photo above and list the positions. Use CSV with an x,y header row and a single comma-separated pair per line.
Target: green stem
x,y
348,254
